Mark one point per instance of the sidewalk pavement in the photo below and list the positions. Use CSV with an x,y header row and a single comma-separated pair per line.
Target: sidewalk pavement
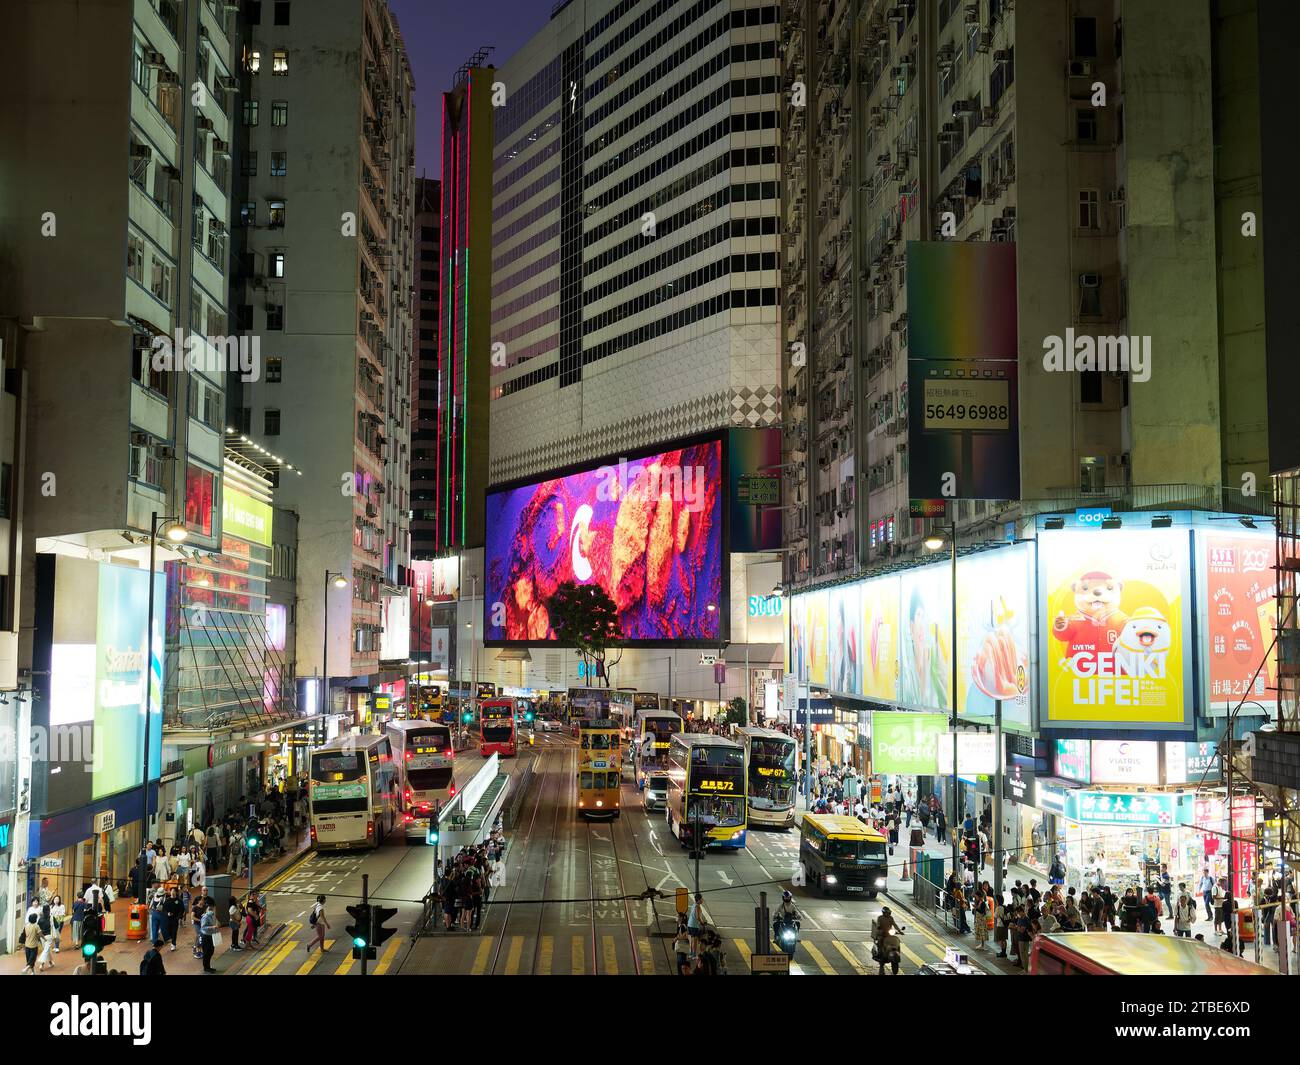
x,y
126,954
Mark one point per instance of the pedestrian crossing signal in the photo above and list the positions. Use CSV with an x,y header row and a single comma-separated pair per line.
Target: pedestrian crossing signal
x,y
431,837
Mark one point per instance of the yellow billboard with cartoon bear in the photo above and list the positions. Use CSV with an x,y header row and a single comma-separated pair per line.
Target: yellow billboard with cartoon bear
x,y
1113,627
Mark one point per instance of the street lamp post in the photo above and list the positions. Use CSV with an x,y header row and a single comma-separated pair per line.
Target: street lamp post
x,y
340,581
175,531
934,543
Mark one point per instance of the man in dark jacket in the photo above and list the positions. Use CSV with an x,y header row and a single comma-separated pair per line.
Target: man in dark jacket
x,y
152,964
1130,907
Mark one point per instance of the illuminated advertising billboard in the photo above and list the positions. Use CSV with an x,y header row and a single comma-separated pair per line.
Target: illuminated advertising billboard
x,y
796,659
844,639
395,635
879,599
648,530
818,604
1238,585
963,410
925,639
754,489
903,742
1073,760
993,636
1114,628
245,517
1125,762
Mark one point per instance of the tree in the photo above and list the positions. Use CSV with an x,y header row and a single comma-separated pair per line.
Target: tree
x,y
737,712
585,617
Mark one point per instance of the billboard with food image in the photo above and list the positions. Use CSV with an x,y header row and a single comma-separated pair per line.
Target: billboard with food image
x,y
993,636
817,621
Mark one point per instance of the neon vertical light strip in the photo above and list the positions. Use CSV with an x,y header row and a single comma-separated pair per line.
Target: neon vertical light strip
x,y
442,240
464,430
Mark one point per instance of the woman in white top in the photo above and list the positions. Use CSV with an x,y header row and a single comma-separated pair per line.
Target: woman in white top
x,y
162,870
198,873
183,866
58,915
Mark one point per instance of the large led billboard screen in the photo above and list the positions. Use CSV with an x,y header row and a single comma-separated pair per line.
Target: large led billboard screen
x,y
1115,628
925,638
646,529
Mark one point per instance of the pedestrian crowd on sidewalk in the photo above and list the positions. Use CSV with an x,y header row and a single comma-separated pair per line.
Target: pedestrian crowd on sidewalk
x,y
697,946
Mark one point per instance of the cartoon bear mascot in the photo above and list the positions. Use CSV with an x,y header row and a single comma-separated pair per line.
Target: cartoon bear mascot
x,y
1097,621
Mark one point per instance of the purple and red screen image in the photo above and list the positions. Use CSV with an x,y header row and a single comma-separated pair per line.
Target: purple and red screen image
x,y
648,531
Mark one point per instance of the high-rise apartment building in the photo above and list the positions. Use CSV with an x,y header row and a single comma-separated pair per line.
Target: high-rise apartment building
x,y
424,369
1082,133
115,231
635,217
326,199
464,310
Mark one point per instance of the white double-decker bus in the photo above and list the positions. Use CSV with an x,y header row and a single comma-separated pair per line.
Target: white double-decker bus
x,y
352,792
425,761
769,766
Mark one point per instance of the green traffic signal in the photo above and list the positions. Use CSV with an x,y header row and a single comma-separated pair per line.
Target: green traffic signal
x,y
431,837
467,717
358,942
88,949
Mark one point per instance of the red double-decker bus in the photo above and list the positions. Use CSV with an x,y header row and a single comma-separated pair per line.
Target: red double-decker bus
x,y
497,727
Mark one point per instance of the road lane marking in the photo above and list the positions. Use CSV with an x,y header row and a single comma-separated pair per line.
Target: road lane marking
x,y
647,957
611,956
743,947
269,952
516,952
822,962
312,961
848,954
481,956
545,956
390,952
578,957
911,955
939,952
342,970
281,952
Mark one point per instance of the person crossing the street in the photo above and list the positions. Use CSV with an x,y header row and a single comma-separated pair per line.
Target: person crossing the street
x,y
319,924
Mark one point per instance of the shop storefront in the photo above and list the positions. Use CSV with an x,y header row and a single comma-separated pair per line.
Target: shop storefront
x,y
1130,835
73,848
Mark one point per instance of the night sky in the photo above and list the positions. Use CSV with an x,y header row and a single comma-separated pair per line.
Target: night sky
x,y
440,36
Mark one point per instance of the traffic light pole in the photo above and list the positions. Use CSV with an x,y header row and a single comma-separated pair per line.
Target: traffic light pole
x,y
365,901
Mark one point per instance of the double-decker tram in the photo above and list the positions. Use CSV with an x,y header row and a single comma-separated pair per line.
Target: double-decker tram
x,y
497,727
600,768
769,762
655,730
706,790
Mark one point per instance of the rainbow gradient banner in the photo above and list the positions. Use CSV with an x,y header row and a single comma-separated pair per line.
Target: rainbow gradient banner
x,y
963,416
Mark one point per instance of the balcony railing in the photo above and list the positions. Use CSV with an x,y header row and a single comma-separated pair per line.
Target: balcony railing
x,y
1160,497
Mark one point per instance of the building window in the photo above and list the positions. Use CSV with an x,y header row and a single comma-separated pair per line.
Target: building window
x,y
279,112
275,316
282,12
250,112
161,283
271,422
1089,209
253,11
253,63
248,213
248,164
1090,387
276,262
1089,296
1085,38
276,208
1092,475
279,163
1085,125
140,156
139,68
273,371
279,62
200,485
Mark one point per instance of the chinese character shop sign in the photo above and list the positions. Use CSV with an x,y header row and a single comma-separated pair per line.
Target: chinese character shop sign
x,y
1107,808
